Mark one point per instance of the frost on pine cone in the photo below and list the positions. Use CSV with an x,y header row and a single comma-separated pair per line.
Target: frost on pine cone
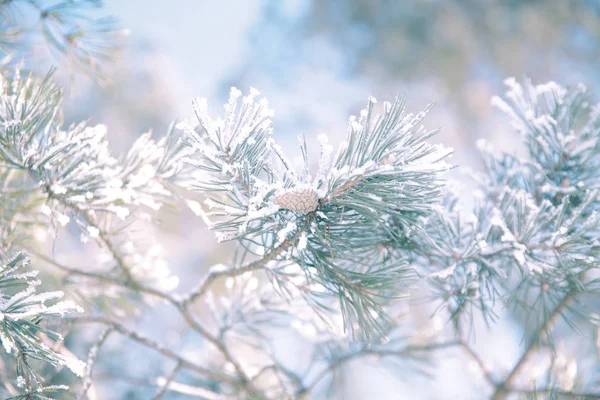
x,y
301,201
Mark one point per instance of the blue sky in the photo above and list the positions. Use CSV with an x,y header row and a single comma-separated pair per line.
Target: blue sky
x,y
201,40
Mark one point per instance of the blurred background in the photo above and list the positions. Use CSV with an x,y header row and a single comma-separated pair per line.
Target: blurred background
x,y
317,61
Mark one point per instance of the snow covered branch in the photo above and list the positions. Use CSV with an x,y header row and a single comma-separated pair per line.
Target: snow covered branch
x,y
325,250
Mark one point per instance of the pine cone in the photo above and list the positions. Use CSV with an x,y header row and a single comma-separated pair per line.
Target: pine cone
x,y
298,200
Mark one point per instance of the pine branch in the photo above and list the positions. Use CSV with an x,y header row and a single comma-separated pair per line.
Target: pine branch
x,y
343,242
22,307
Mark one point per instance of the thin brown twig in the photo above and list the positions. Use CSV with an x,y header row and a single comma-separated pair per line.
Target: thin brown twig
x,y
475,357
109,245
564,394
176,387
93,353
145,341
182,307
381,353
163,389
503,388
215,274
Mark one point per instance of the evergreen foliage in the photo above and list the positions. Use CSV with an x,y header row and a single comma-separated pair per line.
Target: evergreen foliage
x,y
327,256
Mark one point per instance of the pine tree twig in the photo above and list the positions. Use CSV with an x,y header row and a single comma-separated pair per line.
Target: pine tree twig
x,y
163,389
215,274
503,388
280,369
109,245
145,341
475,357
174,386
564,394
380,353
93,353
102,235
342,190
179,305
220,345
104,278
